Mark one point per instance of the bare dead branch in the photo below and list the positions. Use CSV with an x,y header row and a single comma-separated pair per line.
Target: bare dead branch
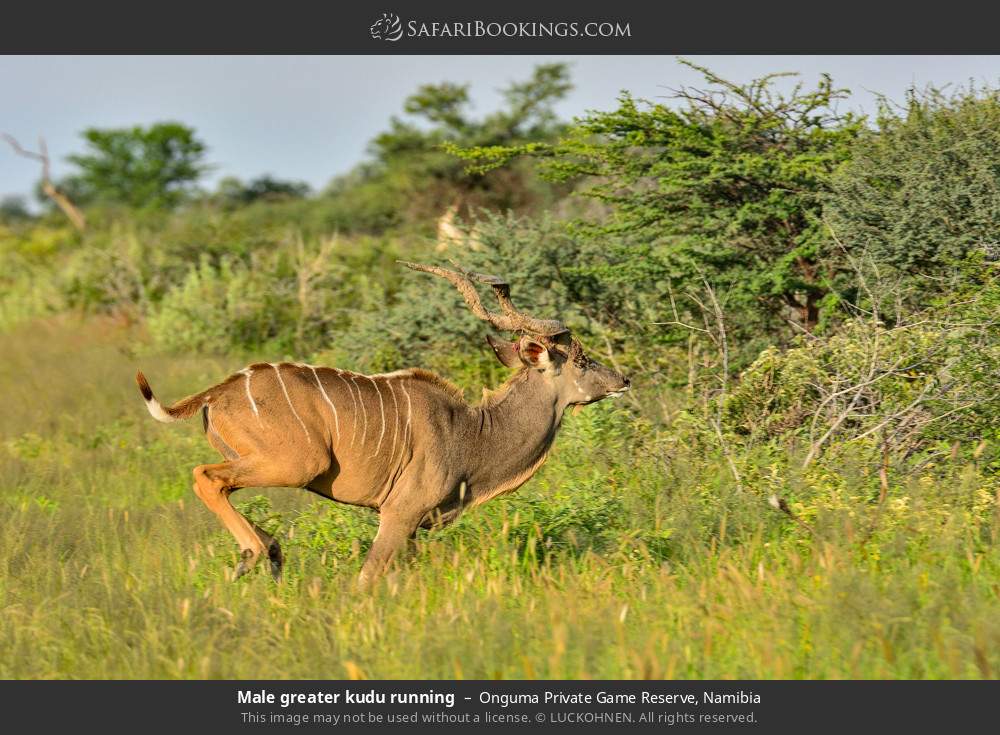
x,y
62,201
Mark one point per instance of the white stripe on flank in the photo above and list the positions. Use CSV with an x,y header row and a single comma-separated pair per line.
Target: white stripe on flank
x,y
381,410
336,419
253,404
288,398
354,402
395,424
407,431
364,411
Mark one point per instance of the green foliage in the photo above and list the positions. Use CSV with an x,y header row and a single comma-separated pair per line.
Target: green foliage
x,y
231,192
214,307
412,178
138,167
244,278
27,289
915,385
14,209
526,116
726,188
296,297
922,191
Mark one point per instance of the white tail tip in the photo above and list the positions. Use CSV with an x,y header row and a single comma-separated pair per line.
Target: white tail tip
x,y
157,411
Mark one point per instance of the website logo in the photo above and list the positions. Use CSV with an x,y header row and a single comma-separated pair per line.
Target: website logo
x,y
387,28
390,28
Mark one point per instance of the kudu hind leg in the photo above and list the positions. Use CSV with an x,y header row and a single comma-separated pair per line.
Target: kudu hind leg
x,y
214,484
274,555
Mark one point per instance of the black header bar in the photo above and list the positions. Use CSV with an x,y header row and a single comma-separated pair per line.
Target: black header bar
x,y
511,27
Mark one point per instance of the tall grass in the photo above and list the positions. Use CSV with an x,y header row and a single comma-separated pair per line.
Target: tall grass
x,y
631,554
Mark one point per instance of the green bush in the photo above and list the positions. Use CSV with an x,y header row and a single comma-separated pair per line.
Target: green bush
x,y
232,305
929,379
27,286
922,191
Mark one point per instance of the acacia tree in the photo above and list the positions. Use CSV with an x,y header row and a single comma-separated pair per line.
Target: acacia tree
x,y
726,185
411,170
139,167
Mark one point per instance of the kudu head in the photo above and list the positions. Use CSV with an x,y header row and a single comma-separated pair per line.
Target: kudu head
x,y
542,345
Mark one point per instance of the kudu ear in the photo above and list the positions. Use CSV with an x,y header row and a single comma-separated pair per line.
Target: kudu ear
x,y
506,352
533,353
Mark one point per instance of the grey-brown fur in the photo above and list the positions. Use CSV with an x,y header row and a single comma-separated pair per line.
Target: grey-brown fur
x,y
404,444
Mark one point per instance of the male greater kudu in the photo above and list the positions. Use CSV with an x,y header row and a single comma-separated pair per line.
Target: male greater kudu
x,y
404,444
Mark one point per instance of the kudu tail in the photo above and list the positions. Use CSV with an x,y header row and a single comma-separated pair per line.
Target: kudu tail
x,y
183,409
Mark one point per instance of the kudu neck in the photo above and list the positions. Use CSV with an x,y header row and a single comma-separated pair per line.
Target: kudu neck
x,y
516,428
525,405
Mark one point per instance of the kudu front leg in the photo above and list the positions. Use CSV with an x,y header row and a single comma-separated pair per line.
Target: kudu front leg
x,y
394,533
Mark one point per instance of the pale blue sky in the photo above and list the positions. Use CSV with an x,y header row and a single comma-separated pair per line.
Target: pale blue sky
x,y
310,118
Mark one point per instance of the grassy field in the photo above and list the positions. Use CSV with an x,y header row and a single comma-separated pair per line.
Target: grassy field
x,y
630,555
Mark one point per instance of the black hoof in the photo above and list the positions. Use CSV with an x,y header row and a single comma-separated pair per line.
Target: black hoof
x,y
277,561
245,564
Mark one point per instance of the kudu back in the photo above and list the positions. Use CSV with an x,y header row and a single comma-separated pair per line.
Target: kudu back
x,y
405,444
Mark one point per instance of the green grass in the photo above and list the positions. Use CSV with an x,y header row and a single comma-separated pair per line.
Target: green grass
x,y
629,555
